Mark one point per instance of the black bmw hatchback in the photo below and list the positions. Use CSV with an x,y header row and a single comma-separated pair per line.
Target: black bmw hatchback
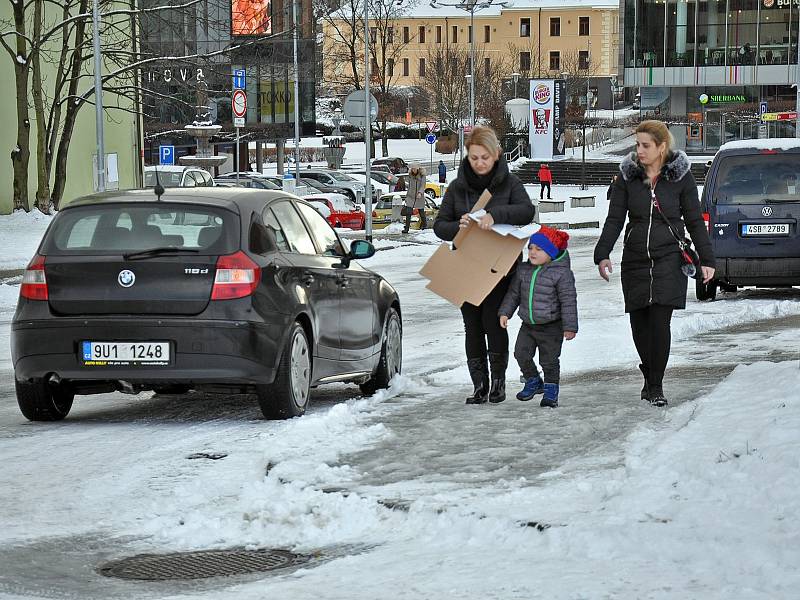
x,y
226,290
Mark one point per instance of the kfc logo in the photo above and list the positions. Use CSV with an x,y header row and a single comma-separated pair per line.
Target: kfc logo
x,y
541,120
541,94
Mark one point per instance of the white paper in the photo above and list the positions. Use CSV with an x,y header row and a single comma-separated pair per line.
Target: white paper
x,y
503,229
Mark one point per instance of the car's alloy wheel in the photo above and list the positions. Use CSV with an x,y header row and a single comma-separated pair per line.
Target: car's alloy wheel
x,y
287,397
41,402
391,360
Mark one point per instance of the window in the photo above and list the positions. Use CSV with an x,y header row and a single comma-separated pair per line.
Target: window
x,y
421,68
455,34
405,68
487,67
524,61
421,34
438,34
373,34
322,231
555,26
487,34
524,28
405,35
469,34
390,35
374,68
583,60
390,64
583,27
555,61
272,224
296,233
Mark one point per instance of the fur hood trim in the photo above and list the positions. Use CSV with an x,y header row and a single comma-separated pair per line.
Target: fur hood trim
x,y
676,167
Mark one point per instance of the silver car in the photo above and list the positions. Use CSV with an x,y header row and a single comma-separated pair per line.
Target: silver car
x,y
338,179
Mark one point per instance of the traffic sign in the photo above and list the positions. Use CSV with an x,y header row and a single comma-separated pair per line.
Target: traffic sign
x,y
239,103
239,79
467,128
430,138
431,126
354,109
763,108
238,121
166,155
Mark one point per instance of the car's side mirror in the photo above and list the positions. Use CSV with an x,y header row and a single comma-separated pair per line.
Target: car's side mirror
x,y
360,249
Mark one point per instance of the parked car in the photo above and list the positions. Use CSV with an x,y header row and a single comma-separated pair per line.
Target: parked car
x,y
355,189
751,203
177,176
248,180
226,289
384,177
341,213
382,212
434,189
396,164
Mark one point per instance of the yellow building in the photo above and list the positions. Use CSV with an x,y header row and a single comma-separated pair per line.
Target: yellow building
x,y
542,39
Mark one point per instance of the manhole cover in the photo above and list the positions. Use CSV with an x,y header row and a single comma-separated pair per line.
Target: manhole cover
x,y
200,564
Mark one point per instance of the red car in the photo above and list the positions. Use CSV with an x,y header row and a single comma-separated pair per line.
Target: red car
x,y
339,212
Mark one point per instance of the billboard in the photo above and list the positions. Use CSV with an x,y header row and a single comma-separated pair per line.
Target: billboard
x,y
548,104
251,17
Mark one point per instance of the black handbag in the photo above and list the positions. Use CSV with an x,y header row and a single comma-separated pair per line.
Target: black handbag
x,y
406,211
691,260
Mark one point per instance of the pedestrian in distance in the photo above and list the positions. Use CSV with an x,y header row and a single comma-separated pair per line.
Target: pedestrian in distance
x,y
543,289
655,180
442,172
545,179
415,195
484,168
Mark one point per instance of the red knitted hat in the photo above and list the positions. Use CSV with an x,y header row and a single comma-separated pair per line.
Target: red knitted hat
x,y
552,241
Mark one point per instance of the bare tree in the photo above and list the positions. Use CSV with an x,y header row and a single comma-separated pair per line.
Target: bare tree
x,y
343,43
446,65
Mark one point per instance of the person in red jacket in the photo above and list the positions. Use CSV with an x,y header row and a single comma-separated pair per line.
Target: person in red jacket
x,y
545,178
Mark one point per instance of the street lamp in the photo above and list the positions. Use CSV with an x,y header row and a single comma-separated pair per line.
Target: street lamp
x,y
336,119
98,98
471,6
515,77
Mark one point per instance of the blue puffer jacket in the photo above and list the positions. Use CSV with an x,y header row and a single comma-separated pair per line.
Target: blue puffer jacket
x,y
543,294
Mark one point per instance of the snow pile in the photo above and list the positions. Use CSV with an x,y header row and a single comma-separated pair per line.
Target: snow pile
x,y
21,233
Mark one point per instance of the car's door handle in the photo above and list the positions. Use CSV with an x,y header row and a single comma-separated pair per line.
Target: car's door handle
x,y
307,279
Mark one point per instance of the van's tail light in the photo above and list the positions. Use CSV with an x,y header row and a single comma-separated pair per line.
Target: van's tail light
x,y
34,283
237,276
707,219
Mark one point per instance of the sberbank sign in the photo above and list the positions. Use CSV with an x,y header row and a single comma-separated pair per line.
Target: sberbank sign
x,y
724,98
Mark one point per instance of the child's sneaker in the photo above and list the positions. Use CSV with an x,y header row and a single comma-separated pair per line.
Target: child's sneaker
x,y
533,386
550,399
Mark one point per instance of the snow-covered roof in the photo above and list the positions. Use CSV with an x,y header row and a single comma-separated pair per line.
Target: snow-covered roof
x,y
421,9
768,144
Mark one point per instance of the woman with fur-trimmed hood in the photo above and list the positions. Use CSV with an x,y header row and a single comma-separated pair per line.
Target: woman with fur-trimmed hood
x,y
415,195
652,281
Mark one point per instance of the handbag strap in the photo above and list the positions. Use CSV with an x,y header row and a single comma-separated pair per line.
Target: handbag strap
x,y
681,242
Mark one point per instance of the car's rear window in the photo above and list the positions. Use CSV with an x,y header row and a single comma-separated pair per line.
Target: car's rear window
x,y
96,229
758,178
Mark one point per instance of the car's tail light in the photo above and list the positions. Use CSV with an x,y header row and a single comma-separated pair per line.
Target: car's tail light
x,y
237,276
374,213
34,283
768,151
707,219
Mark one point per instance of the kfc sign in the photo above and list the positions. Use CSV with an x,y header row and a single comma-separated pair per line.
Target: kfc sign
x,y
541,121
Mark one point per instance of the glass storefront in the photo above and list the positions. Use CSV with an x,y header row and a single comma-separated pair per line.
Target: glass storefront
x,y
684,33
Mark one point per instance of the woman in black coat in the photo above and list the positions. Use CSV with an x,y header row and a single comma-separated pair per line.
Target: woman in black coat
x,y
484,169
652,281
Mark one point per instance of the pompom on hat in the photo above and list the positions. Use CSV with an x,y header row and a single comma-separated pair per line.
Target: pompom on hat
x,y
552,241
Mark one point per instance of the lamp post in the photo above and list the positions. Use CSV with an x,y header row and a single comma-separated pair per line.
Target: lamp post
x,y
336,119
98,99
471,6
367,131
296,98
515,77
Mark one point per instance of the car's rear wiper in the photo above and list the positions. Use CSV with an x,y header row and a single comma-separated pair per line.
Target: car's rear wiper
x,y
158,252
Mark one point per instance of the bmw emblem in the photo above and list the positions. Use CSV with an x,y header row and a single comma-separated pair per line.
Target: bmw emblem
x,y
126,278
767,211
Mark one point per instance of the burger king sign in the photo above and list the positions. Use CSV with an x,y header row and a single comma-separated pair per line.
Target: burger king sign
x,y
541,93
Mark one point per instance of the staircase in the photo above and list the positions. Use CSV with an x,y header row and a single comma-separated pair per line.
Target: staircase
x,y
598,172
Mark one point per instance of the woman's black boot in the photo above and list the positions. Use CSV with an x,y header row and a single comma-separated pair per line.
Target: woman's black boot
x,y
645,387
479,372
498,362
656,397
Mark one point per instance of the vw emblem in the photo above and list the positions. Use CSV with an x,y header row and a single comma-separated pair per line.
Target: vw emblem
x,y
126,278
767,211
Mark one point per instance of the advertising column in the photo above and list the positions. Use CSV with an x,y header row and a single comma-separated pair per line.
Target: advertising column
x,y
541,129
559,117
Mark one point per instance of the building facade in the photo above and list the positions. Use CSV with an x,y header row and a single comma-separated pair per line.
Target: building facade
x,y
535,39
715,61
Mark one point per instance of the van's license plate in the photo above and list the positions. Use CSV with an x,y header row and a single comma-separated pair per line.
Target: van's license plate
x,y
104,354
765,229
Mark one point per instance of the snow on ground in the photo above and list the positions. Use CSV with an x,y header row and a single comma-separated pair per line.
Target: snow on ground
x,y
703,502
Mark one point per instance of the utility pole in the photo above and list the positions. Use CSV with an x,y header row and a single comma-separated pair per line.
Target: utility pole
x,y
98,98
367,129
296,98
797,86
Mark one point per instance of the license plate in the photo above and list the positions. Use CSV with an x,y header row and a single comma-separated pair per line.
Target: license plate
x,y
113,354
765,229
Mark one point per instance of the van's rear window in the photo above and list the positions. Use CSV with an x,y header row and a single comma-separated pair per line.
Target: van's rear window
x,y
97,229
758,178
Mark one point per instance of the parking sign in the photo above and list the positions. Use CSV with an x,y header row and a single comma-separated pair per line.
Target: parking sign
x,y
166,155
